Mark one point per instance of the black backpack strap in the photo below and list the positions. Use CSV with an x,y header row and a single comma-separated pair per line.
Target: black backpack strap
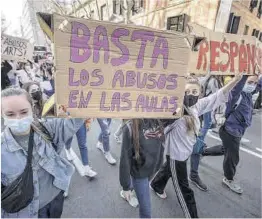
x,y
43,131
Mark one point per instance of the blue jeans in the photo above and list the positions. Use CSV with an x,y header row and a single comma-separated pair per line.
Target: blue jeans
x,y
198,147
104,135
81,139
141,187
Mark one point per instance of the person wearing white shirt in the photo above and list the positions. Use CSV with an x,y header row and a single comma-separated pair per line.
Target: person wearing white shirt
x,y
181,136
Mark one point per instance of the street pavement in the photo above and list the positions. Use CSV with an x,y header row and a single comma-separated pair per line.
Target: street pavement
x,y
100,196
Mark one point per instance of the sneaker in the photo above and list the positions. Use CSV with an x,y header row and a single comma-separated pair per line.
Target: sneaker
x,y
99,146
163,196
66,194
232,185
109,158
89,172
69,155
130,197
118,139
198,183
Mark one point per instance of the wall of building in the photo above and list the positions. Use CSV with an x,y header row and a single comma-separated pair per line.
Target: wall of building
x,y
201,13
29,23
241,8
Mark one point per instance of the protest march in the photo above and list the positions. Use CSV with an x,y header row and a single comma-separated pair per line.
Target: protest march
x,y
148,99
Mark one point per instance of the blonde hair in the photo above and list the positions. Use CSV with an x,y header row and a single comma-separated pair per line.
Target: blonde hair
x,y
190,124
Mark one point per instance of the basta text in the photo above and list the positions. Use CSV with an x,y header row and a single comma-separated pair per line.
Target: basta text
x,y
81,47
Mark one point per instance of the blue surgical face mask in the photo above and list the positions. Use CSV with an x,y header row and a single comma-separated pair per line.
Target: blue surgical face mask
x,y
19,126
249,88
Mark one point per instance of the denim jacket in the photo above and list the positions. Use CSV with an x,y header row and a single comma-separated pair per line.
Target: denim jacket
x,y
13,160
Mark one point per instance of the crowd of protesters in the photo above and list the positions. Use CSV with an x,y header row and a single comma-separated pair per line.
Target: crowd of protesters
x,y
40,148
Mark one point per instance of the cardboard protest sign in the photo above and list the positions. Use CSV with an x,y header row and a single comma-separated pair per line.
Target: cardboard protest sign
x,y
107,70
15,48
226,54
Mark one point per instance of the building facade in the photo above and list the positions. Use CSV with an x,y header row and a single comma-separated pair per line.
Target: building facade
x,y
241,17
29,25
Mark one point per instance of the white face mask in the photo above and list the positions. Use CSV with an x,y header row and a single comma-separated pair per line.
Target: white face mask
x,y
249,88
19,126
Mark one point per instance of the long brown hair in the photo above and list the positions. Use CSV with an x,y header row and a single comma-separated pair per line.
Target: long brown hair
x,y
136,126
135,135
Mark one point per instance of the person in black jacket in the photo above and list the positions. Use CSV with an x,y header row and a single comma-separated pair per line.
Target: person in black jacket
x,y
140,154
5,68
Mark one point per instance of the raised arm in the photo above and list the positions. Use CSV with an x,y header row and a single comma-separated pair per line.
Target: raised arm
x,y
213,101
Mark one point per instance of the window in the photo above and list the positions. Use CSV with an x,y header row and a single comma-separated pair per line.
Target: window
x,y
137,6
118,7
233,23
177,23
260,37
103,12
255,33
259,10
253,4
246,30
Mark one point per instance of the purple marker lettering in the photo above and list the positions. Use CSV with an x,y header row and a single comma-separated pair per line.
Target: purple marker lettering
x,y
115,103
72,97
102,103
172,78
144,36
164,104
125,99
161,81
100,78
78,43
130,78
140,103
141,84
156,109
99,44
150,104
117,33
161,48
71,78
84,101
118,76
84,77
151,78
173,101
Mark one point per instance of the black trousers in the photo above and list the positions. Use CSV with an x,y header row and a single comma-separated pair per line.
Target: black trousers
x,y
178,171
54,209
231,153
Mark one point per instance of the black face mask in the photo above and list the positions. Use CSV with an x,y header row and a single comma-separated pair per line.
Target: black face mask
x,y
36,95
190,100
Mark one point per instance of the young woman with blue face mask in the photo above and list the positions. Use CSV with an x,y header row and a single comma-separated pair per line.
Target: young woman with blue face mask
x,y
238,117
51,171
